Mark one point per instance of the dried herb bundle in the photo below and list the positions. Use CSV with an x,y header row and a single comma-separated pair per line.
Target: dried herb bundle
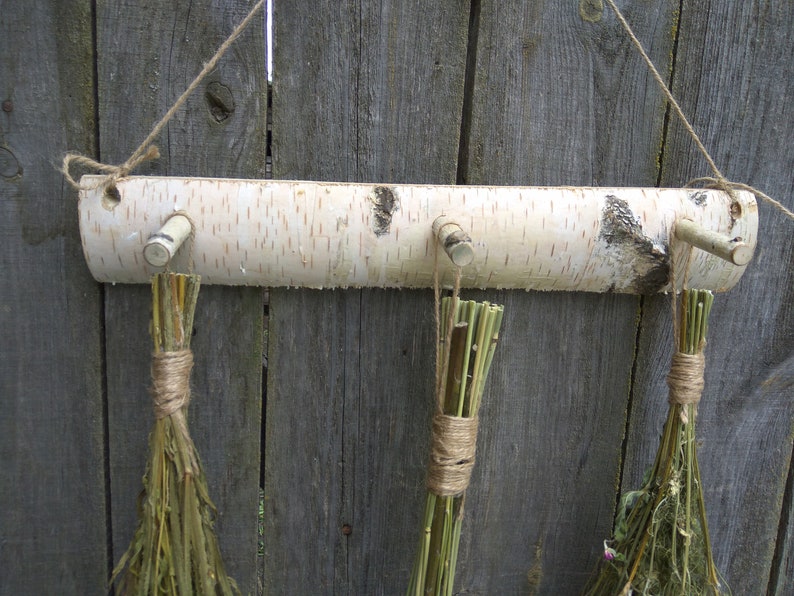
x,y
467,341
660,543
174,549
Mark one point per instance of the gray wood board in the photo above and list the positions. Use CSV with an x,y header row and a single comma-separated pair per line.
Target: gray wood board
x,y
734,78
52,488
147,55
367,92
783,565
558,99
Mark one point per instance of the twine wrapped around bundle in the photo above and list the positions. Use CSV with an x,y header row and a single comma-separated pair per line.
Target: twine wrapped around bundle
x,y
466,338
171,382
452,449
685,381
174,549
171,396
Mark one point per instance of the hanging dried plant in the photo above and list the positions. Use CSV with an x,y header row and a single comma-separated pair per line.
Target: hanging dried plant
x,y
174,549
660,543
466,344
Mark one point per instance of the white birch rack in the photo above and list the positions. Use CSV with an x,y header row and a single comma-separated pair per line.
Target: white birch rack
x,y
338,235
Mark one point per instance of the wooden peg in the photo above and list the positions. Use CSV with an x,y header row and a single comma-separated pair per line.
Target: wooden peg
x,y
163,244
455,242
733,250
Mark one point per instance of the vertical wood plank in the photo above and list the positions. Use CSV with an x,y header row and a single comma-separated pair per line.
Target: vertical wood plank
x,y
782,576
556,99
52,521
147,55
367,92
734,78
561,100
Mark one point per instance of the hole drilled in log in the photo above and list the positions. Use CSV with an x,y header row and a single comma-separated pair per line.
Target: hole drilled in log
x,y
111,198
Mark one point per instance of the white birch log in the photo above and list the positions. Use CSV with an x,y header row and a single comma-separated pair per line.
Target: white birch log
x,y
337,235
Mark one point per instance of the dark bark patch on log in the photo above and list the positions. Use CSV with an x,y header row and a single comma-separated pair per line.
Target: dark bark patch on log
x,y
384,203
621,229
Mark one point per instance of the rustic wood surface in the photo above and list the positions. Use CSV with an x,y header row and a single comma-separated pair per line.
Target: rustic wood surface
x,y
147,55
380,93
557,97
734,77
369,92
52,485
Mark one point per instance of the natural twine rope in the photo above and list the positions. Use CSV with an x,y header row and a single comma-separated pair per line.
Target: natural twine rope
x,y
685,379
453,445
171,397
171,381
719,180
146,151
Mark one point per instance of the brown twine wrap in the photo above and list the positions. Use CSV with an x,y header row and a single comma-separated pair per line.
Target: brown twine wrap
x,y
171,396
452,449
686,378
171,381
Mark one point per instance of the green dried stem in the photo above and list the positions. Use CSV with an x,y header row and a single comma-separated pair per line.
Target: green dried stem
x,y
469,334
174,549
660,544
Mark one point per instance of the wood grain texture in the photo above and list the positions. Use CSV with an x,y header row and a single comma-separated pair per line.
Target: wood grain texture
x,y
52,488
544,484
353,451
734,79
782,577
147,55
557,100
367,92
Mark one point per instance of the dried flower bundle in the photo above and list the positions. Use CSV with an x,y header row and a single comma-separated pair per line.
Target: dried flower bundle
x,y
660,543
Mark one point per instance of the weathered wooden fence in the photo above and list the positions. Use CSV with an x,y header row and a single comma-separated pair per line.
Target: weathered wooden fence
x,y
465,91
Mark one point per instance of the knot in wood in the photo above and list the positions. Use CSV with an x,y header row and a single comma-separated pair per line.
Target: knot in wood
x,y
453,445
685,379
171,381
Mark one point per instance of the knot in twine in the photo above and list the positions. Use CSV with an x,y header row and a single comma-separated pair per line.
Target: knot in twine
x,y
686,378
722,183
114,173
146,151
171,381
718,180
453,444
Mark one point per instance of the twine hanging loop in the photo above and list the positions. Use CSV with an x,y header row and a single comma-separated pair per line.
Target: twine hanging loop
x,y
146,150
